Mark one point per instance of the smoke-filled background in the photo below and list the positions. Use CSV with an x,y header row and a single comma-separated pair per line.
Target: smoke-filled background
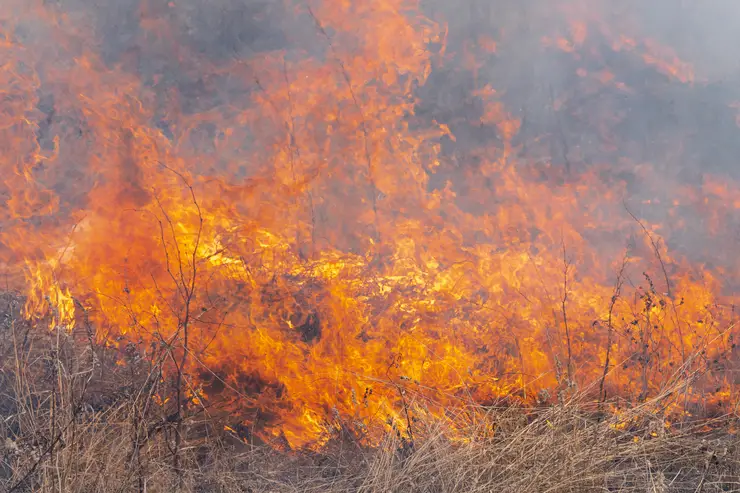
x,y
320,202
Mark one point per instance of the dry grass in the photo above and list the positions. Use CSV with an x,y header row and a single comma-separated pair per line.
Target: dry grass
x,y
73,421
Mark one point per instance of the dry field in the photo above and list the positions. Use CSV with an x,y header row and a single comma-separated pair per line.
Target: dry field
x,y
74,420
369,245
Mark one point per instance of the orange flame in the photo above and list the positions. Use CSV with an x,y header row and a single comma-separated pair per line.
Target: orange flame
x,y
331,252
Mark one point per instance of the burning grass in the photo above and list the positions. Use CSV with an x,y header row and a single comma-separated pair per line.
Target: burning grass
x,y
76,417
393,195
365,245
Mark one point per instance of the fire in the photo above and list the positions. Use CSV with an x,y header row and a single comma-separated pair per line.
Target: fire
x,y
320,247
45,296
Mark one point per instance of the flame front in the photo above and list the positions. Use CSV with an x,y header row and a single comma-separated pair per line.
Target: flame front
x,y
323,239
